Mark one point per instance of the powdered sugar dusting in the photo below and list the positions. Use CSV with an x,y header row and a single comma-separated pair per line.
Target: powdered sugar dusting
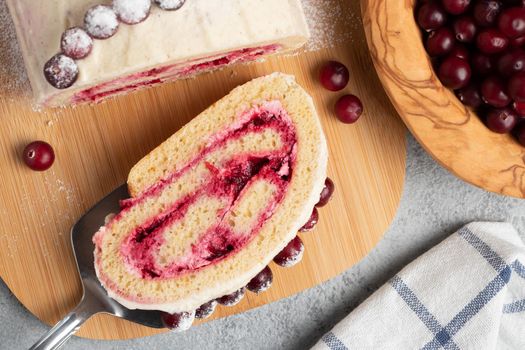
x,y
132,11
291,260
76,43
233,298
170,5
205,310
101,22
186,320
178,322
61,71
13,77
331,22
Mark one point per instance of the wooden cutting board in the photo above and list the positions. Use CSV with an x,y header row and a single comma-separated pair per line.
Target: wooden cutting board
x,y
97,145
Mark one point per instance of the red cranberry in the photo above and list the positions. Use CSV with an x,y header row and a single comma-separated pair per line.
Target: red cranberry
x,y
326,193
61,71
180,321
470,96
334,76
501,121
312,221
456,7
518,42
440,42
132,11
76,43
101,22
39,155
494,93
517,87
460,51
232,299
170,5
512,22
291,254
491,41
205,310
512,62
262,281
454,72
486,12
519,107
431,16
482,64
348,109
465,29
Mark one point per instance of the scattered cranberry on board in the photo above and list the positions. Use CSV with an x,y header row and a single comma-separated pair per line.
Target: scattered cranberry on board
x,y
38,155
348,109
334,76
478,50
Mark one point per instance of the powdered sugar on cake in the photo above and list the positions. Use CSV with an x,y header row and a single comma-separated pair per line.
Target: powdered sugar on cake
x,y
13,77
76,43
101,22
323,18
61,71
132,11
170,5
293,259
205,310
331,22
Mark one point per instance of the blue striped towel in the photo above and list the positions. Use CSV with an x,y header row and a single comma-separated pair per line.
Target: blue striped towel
x,y
468,292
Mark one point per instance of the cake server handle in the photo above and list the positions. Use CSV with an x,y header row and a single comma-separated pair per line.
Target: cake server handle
x,y
63,330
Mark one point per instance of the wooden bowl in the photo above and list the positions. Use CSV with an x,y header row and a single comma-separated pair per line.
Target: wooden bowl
x,y
449,131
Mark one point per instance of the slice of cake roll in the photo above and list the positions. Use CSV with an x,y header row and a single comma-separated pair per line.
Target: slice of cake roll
x,y
216,202
87,50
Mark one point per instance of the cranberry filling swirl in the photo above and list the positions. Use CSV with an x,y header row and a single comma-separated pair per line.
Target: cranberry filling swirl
x,y
252,181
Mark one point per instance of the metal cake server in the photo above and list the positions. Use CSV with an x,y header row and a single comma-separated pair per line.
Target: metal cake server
x,y
94,299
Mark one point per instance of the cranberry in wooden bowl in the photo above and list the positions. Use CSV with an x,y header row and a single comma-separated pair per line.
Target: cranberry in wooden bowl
x,y
455,71
484,30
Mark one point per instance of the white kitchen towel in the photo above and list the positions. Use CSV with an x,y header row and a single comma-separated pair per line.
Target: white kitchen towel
x,y
468,292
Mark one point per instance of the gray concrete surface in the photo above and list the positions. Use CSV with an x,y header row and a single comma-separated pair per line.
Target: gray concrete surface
x,y
434,204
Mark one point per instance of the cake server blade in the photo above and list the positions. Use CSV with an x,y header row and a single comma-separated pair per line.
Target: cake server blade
x,y
94,297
